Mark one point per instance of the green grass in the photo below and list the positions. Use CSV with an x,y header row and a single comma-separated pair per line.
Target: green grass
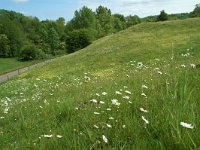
x,y
10,64
55,99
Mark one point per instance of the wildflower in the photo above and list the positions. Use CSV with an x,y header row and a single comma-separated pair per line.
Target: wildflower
x,y
186,125
97,127
48,136
143,94
124,126
97,94
104,93
59,136
101,102
145,120
94,101
139,64
130,102
108,109
126,97
76,108
193,65
144,86
108,125
96,113
159,72
128,92
105,139
143,110
183,66
118,92
111,118
115,102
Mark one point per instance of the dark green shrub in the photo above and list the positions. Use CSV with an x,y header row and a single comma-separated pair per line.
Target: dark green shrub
x,y
78,39
30,52
163,16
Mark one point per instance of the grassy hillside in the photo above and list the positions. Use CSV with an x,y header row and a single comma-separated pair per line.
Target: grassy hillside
x,y
130,90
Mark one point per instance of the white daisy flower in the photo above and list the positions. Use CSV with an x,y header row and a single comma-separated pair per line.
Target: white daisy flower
x,y
108,125
126,97
48,136
105,139
96,113
143,94
111,118
128,92
115,102
193,65
143,110
186,125
104,93
118,92
97,127
94,101
101,102
144,86
145,120
97,94
59,136
183,66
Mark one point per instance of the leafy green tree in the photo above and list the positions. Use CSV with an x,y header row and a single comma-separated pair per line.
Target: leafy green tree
x,y
132,20
163,16
196,11
118,22
78,39
104,21
53,40
4,46
84,18
14,34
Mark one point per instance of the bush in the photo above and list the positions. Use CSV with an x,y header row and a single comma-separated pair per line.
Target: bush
x,y
30,52
78,39
163,16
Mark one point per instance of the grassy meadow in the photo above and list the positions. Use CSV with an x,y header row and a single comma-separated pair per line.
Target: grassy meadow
x,y
137,89
10,64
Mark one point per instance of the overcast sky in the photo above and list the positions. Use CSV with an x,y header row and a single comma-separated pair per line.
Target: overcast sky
x,y
52,9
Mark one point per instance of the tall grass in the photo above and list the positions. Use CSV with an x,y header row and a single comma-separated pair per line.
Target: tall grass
x,y
124,87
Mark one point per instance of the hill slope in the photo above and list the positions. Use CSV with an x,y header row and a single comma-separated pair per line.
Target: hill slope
x,y
130,90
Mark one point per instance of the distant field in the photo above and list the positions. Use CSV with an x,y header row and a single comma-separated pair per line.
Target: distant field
x,y
134,90
10,64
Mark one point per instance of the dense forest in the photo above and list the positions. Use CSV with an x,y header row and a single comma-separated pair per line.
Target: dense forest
x,y
28,38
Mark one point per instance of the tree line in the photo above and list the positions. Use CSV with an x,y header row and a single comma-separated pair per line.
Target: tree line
x,y
29,38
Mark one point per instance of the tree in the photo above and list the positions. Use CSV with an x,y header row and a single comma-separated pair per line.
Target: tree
x,y
53,40
104,21
78,39
14,34
163,16
4,46
196,11
84,18
132,20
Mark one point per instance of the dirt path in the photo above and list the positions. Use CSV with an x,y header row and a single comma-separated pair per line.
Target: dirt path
x,y
9,75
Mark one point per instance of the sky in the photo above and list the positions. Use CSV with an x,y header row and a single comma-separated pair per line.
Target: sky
x,y
53,9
